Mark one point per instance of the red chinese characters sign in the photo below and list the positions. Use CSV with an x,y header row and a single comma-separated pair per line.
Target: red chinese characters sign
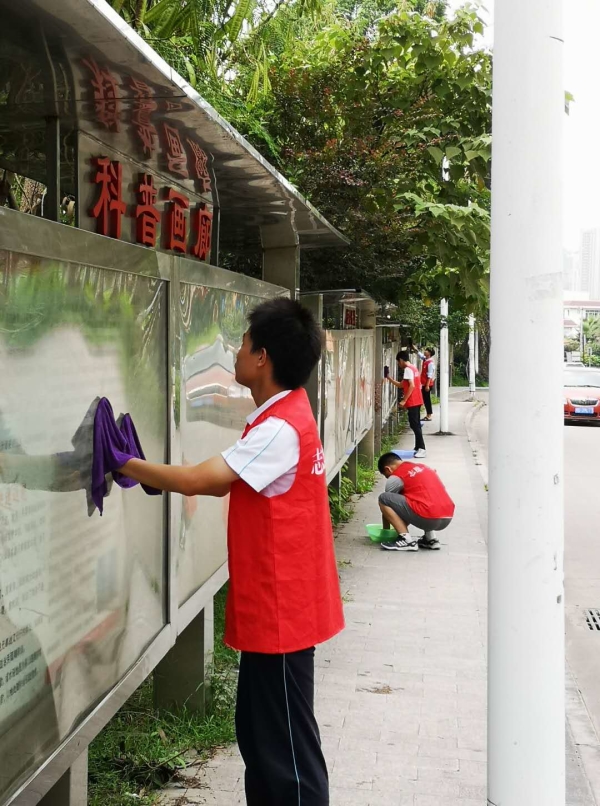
x,y
149,123
143,107
146,214
107,104
349,316
109,206
184,228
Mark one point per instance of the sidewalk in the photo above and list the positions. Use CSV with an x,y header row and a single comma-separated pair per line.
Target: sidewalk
x,y
401,693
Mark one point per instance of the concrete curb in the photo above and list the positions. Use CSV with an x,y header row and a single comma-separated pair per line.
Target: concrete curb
x,y
474,442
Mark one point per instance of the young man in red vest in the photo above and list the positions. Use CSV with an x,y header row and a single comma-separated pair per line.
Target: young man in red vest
x,y
284,594
412,399
427,380
413,494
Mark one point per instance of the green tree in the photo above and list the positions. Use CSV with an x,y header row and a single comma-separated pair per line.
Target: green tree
x,y
387,131
377,110
591,333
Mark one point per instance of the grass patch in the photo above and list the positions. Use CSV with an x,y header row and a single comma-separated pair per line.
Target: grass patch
x,y
340,503
141,749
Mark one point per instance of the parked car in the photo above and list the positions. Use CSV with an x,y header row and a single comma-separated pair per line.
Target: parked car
x,y
582,394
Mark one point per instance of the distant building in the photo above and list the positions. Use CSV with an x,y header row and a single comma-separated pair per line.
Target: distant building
x,y
590,263
571,271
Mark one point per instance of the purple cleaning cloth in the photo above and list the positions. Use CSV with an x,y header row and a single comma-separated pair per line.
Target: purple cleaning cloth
x,y
113,447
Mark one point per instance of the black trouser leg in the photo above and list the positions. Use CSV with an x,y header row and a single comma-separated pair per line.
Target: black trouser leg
x,y
277,732
427,402
414,420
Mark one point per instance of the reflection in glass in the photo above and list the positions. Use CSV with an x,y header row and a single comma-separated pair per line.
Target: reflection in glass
x,y
213,415
80,596
364,384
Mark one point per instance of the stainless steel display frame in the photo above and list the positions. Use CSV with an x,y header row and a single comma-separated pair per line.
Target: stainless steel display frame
x,y
24,234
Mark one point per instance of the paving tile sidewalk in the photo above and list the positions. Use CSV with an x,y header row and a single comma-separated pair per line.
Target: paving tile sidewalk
x,y
401,693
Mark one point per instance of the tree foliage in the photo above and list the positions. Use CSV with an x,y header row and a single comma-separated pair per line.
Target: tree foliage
x,y
377,110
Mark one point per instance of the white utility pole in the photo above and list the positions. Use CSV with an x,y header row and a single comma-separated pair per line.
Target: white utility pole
x,y
444,368
471,357
476,349
526,690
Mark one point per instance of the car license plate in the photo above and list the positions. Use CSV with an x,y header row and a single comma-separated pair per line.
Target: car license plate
x,y
584,409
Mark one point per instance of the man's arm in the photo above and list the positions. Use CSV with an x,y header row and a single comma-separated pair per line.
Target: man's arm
x,y
213,477
394,485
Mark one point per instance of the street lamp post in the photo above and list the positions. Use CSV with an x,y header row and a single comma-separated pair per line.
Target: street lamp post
x,y
472,368
444,373
526,729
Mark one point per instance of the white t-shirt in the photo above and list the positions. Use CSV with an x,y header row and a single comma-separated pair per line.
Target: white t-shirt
x,y
409,374
430,366
267,457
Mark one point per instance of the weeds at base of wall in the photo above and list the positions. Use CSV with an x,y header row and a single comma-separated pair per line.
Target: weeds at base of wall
x,y
340,503
140,749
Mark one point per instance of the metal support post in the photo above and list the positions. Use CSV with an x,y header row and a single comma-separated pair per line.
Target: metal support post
x,y
314,303
72,787
352,467
282,267
476,350
182,678
472,381
52,196
378,387
366,447
444,374
526,690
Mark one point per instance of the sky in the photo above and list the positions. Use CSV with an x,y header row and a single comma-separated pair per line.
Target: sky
x,y
581,195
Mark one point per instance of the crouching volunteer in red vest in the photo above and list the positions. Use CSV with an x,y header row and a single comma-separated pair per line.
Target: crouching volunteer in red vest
x,y
284,594
412,400
413,494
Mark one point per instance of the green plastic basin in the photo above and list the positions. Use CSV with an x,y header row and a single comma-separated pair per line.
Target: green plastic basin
x,y
377,534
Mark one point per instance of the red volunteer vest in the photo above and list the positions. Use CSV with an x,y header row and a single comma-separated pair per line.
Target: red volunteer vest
x,y
284,591
424,491
424,369
416,398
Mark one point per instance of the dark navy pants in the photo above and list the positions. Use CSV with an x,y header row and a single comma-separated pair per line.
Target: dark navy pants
x,y
277,732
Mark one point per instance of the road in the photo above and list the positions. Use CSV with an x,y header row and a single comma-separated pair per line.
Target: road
x,y
582,577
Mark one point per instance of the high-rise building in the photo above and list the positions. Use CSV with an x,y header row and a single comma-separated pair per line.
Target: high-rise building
x,y
571,271
590,262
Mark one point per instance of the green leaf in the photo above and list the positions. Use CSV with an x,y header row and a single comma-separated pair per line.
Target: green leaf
x,y
453,151
436,153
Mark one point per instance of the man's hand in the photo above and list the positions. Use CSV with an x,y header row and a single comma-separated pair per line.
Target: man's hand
x,y
213,477
402,404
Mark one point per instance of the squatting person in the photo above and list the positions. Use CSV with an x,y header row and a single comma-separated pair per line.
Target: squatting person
x,y
284,594
414,494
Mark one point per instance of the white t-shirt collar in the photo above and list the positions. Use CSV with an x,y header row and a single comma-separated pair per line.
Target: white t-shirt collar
x,y
257,412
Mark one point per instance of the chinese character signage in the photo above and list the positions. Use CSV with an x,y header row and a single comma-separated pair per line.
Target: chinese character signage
x,y
125,113
349,314
141,208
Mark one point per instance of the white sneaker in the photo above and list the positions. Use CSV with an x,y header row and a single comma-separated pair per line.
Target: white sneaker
x,y
421,454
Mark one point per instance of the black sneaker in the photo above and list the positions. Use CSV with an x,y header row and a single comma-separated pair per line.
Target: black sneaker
x,y
400,545
424,543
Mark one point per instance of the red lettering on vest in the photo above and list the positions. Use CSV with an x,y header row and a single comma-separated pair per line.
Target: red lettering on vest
x,y
424,491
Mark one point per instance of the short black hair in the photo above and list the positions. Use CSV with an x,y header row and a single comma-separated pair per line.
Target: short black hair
x,y
387,459
291,337
431,350
403,356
